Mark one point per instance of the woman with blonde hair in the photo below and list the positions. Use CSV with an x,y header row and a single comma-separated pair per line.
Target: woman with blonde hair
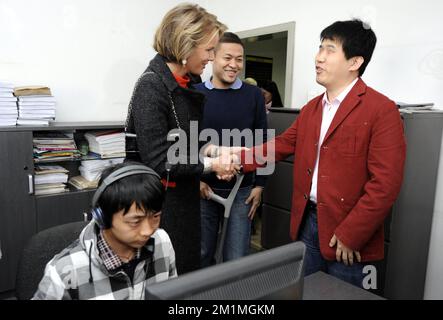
x,y
163,100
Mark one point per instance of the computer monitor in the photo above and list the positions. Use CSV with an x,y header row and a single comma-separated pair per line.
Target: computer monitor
x,y
272,274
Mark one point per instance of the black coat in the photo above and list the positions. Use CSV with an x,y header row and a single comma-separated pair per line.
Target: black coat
x,y
151,118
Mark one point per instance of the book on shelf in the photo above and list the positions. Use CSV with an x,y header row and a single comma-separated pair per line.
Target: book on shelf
x,y
5,104
53,138
6,84
37,106
8,99
36,98
31,90
56,155
42,148
40,192
80,183
415,106
8,111
50,178
32,122
91,170
11,122
107,144
53,146
107,155
30,116
47,169
56,159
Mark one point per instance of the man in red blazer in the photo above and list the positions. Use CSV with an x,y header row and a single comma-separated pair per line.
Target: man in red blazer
x,y
349,150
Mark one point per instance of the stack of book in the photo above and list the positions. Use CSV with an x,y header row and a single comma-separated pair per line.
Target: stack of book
x,y
54,146
80,183
8,105
415,107
50,179
91,171
36,105
106,144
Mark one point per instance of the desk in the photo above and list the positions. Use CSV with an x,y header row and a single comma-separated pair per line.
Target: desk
x,y
322,286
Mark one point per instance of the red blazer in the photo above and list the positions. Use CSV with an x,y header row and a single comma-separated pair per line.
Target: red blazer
x,y
360,170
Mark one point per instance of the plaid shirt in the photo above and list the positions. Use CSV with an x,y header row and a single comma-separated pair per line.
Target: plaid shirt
x,y
110,259
84,271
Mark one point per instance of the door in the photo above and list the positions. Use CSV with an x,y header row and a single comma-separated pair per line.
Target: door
x,y
17,208
54,210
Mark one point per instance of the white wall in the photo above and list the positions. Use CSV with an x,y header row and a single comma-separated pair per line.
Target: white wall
x,y
89,52
407,64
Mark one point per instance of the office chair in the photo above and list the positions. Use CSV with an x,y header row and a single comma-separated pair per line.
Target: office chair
x,y
41,248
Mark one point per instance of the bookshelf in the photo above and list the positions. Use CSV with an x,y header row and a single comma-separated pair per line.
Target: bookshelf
x,y
22,213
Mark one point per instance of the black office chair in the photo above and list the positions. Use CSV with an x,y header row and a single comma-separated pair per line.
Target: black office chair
x,y
40,249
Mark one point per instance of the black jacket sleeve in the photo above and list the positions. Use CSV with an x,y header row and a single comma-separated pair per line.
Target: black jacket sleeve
x,y
152,117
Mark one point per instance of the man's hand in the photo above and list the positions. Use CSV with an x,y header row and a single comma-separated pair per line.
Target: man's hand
x,y
225,166
343,252
232,150
255,197
205,190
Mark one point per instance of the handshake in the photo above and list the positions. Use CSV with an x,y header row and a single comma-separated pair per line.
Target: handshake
x,y
224,161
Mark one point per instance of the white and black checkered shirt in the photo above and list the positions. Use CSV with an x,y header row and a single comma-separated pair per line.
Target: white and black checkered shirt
x,y
86,270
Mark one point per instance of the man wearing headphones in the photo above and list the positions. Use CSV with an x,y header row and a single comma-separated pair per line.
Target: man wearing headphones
x,y
122,249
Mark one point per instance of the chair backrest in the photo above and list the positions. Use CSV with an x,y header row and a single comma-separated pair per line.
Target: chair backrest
x,y
40,249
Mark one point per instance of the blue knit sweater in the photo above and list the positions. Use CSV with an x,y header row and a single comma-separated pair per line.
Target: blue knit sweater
x,y
239,107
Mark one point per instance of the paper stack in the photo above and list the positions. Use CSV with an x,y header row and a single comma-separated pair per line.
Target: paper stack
x,y
80,183
36,105
50,179
54,146
8,105
91,171
106,144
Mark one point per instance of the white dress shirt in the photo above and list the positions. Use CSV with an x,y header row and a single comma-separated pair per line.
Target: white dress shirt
x,y
329,110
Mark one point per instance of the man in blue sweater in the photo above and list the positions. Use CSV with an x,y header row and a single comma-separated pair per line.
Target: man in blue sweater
x,y
230,104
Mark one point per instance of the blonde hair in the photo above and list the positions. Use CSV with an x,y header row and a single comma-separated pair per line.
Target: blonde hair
x,y
183,28
251,81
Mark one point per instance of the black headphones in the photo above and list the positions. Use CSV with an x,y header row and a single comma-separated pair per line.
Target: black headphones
x,y
96,211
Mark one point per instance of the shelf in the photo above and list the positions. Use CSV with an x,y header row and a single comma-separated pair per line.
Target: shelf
x,y
21,214
85,158
64,126
55,160
65,194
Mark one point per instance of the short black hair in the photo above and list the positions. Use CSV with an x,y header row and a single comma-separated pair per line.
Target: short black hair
x,y
229,37
145,190
356,37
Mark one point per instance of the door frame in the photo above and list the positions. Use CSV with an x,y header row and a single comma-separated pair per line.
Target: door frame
x,y
289,27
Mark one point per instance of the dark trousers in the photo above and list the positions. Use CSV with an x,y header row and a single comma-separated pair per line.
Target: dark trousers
x,y
315,262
